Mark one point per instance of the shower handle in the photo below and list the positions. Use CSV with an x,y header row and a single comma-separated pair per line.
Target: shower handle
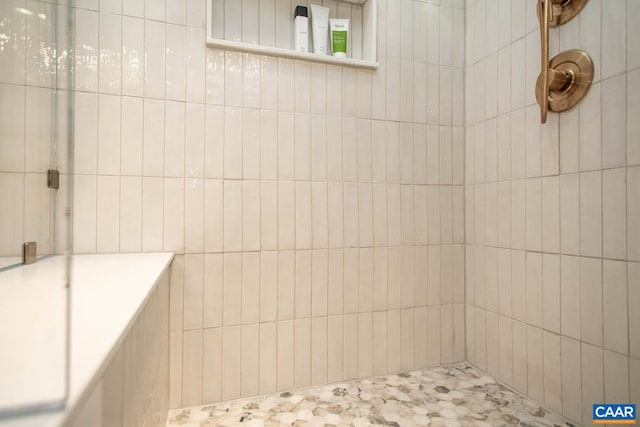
x,y
544,15
566,79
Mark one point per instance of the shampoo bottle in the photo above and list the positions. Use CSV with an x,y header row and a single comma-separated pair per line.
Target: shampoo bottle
x,y
301,30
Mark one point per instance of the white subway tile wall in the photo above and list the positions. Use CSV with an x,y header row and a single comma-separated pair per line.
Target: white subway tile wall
x,y
316,210
564,196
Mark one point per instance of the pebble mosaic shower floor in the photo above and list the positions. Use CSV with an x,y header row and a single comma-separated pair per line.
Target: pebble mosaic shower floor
x,y
449,396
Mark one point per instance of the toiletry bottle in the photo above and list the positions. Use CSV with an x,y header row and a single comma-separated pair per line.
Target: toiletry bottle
x,y
301,30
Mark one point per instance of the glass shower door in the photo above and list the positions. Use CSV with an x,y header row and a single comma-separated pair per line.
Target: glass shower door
x,y
35,133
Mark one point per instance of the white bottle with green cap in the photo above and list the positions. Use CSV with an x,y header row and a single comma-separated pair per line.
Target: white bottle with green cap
x,y
339,36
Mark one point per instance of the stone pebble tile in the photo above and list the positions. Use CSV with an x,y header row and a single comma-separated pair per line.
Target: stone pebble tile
x,y
449,396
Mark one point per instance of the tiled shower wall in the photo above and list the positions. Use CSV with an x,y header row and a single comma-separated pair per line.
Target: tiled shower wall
x,y
316,210
552,211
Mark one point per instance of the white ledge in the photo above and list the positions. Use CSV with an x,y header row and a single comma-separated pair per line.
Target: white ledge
x,y
107,294
287,53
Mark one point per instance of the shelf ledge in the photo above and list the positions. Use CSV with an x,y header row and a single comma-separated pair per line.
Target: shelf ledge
x,y
286,53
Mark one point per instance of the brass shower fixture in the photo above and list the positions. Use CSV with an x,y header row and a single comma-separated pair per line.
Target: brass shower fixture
x,y
566,79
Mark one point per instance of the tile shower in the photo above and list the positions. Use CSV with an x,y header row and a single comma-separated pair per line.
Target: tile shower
x,y
331,223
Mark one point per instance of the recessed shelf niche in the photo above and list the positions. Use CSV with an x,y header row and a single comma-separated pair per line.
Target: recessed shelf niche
x,y
265,27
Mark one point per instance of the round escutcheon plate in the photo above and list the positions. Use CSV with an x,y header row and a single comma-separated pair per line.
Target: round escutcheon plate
x,y
564,10
579,66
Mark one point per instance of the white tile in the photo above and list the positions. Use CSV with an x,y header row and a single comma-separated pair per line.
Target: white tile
x,y
193,291
433,155
232,290
518,214
192,356
214,142
351,215
286,285
533,214
302,285
633,213
506,349
571,379
194,232
551,292
214,216
268,366
518,69
176,12
569,289
350,347
518,285
175,62
592,380
131,140
110,38
334,348
84,224
634,314
155,9
211,365
251,215
195,65
152,213
616,377
196,12
302,147
268,286
591,301
232,215
535,373
433,275
318,147
173,215
175,369
633,109
518,147
86,56
613,39
250,361
634,379
534,289
86,130
504,282
232,143
174,133
153,143
533,150
215,76
154,70
570,214
590,130
590,214
493,355
392,95
552,371
194,149
351,260
107,208
614,278
504,70
302,361
213,290
38,135
520,351
504,213
550,214
130,214
613,121
614,232
286,215
232,372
